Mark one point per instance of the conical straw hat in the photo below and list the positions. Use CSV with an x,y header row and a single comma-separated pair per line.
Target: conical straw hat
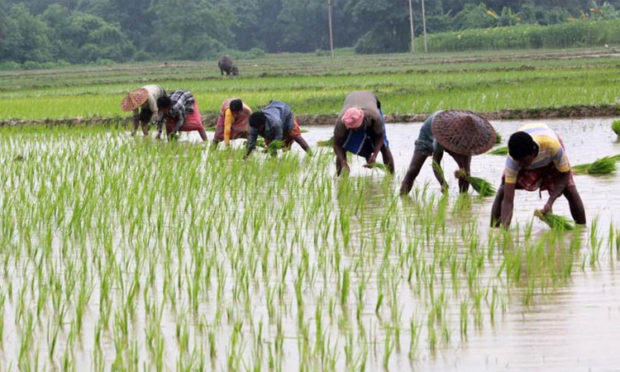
x,y
134,99
463,132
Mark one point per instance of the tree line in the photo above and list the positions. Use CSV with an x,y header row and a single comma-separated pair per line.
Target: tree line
x,y
81,31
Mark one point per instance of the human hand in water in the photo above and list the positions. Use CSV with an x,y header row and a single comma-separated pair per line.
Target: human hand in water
x,y
372,159
548,208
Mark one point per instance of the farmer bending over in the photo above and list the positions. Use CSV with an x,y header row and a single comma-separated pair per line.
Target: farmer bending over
x,y
360,130
232,122
180,112
536,160
143,103
275,122
460,133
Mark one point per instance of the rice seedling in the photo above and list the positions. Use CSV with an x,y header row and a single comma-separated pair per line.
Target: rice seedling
x,y
482,186
499,150
555,221
326,143
175,275
319,89
604,165
379,166
615,126
498,138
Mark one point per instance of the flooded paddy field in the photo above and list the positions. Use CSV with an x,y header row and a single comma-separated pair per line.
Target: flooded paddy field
x,y
119,253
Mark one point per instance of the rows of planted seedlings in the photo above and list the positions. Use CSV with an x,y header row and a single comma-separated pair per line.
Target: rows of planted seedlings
x,y
117,254
74,78
407,91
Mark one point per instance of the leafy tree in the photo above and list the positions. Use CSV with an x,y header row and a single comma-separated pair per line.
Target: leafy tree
x,y
473,16
3,11
87,30
245,25
80,37
37,7
26,37
299,16
189,29
386,23
257,24
134,17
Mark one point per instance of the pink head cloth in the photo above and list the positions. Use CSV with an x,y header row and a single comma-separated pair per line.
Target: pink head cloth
x,y
353,117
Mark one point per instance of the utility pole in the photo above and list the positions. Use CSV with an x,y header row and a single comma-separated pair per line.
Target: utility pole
x,y
331,33
424,27
411,27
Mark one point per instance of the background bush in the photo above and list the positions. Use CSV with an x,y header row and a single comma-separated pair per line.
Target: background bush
x,y
574,34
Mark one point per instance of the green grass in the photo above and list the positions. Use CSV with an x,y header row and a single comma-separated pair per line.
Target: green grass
x,y
317,85
604,165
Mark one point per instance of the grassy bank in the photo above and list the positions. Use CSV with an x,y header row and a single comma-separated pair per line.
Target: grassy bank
x,y
405,83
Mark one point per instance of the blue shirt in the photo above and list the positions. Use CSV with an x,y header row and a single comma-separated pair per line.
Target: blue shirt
x,y
279,122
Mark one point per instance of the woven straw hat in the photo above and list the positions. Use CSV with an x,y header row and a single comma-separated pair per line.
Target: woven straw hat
x,y
463,132
134,99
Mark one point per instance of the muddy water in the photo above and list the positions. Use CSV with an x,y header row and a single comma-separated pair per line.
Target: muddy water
x,y
577,326
585,139
574,326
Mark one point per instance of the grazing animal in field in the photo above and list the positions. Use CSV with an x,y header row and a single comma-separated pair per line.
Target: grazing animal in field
x,y
225,63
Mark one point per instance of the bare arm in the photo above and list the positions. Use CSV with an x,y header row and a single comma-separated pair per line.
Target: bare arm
x,y
507,204
180,122
341,156
135,121
251,141
559,184
464,162
160,123
377,147
437,156
377,128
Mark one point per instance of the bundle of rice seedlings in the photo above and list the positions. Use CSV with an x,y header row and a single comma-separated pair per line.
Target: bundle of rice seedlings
x,y
616,157
438,169
498,138
555,221
604,165
376,165
499,150
326,143
259,143
615,126
274,146
482,186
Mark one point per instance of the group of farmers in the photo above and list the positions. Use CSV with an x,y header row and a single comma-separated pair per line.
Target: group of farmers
x,y
179,111
536,157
